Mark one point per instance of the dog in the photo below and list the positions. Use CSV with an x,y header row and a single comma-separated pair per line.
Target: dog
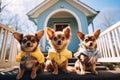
x,y
30,57
58,54
87,54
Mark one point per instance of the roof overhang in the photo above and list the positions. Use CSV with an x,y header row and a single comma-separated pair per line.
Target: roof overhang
x,y
91,18
88,11
35,12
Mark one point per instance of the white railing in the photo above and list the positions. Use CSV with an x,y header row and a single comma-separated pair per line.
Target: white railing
x,y
8,47
109,44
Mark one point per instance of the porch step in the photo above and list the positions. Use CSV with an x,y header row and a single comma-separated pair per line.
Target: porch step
x,y
98,66
103,74
71,62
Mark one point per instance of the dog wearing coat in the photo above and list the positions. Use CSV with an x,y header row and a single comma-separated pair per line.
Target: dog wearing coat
x,y
30,56
58,54
87,54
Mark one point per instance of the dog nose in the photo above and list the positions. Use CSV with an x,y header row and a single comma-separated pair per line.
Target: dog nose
x,y
91,44
59,42
28,43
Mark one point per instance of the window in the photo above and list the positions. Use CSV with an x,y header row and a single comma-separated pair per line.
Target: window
x,y
60,26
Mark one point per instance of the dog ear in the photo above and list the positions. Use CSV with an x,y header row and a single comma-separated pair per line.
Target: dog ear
x,y
97,33
81,35
18,36
39,34
67,32
50,33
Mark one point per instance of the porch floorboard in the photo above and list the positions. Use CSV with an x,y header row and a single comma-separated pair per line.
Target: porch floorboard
x,y
103,75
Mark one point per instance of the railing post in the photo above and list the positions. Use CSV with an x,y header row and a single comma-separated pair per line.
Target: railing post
x,y
115,44
100,47
13,51
107,45
104,47
4,46
117,39
0,32
111,45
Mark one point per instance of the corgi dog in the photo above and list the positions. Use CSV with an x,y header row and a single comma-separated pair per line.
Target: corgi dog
x,y
87,54
58,54
30,56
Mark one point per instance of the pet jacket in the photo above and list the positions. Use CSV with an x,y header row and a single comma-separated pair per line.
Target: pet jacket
x,y
59,57
36,54
88,52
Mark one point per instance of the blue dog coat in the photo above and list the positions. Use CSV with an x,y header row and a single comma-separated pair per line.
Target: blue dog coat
x,y
88,52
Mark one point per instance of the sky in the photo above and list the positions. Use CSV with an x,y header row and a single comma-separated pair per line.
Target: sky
x,y
98,5
108,8
101,4
21,7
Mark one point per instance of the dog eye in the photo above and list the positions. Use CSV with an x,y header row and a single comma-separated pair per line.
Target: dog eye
x,y
33,40
93,39
55,38
63,38
86,40
24,41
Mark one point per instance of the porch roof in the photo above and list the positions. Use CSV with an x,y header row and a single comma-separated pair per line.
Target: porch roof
x,y
88,11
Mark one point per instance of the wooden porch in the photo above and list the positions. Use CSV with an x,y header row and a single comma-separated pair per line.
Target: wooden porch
x,y
108,45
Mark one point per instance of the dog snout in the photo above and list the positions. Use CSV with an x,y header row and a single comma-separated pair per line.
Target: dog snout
x,y
91,44
58,42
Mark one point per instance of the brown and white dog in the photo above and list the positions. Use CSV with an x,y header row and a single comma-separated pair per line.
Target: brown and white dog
x,y
58,54
87,54
30,57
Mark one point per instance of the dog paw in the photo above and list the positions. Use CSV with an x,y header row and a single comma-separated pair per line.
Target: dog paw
x,y
82,73
95,72
55,73
33,75
66,71
45,70
19,77
78,72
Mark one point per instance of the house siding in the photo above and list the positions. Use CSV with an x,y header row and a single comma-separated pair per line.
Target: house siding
x,y
82,16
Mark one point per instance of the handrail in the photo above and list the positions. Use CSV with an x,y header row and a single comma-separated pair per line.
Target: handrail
x,y
8,47
6,28
110,28
109,44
